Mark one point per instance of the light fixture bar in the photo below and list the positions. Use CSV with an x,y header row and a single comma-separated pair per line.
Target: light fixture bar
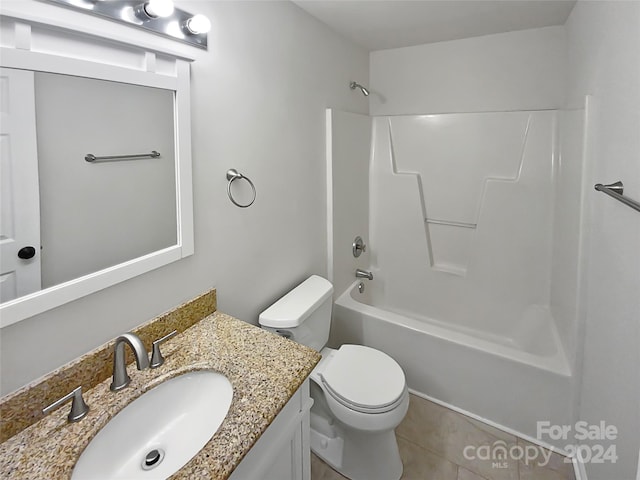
x,y
128,12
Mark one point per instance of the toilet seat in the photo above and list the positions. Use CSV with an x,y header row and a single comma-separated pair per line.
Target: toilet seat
x,y
364,379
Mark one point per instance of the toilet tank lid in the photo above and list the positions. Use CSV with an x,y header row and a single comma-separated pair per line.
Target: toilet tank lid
x,y
294,308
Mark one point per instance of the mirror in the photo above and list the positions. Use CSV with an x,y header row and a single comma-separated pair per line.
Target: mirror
x,y
68,217
70,226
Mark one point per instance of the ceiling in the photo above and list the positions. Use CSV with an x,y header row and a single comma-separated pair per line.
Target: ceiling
x,y
381,24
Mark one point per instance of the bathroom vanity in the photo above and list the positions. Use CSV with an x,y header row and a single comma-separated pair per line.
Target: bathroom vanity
x,y
283,450
265,433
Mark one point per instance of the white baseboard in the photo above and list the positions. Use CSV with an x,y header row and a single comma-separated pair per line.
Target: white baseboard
x,y
579,469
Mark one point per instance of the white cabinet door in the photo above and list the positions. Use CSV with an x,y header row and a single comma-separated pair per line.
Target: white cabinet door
x,y
283,450
285,463
19,188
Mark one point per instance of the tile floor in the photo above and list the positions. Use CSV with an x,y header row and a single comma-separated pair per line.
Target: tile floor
x,y
432,441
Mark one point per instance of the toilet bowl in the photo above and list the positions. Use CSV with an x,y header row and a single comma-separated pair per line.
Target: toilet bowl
x,y
360,393
364,388
357,407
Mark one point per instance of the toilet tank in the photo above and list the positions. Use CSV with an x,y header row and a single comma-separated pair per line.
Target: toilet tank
x,y
303,314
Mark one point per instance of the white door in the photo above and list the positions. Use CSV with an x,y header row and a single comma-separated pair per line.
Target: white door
x,y
19,192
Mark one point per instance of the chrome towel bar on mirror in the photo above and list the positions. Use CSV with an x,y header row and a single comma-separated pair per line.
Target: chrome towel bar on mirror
x,y
616,191
91,158
232,176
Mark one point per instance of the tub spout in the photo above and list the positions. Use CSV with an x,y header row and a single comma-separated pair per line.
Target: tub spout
x,y
364,274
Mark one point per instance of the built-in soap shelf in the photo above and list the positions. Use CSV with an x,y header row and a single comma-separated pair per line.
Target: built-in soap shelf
x,y
453,268
451,224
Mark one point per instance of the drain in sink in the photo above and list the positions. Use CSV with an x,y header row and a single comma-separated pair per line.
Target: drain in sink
x,y
153,459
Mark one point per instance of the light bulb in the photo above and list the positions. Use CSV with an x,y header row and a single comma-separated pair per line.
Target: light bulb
x,y
88,5
198,24
159,8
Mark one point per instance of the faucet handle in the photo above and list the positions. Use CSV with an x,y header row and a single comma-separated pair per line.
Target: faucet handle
x,y
358,247
156,357
79,408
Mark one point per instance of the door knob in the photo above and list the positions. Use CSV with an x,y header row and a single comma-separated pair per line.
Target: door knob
x,y
26,252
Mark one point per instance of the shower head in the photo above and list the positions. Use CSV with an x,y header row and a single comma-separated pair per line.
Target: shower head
x,y
355,85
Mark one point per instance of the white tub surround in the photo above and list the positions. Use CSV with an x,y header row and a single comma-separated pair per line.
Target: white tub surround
x,y
474,223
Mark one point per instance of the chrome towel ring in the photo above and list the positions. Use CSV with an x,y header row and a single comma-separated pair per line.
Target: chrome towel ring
x,y
233,175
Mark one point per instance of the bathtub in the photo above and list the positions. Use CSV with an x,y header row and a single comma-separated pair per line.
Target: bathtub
x,y
510,382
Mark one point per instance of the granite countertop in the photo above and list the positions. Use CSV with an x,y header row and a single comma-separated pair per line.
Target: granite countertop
x,y
264,369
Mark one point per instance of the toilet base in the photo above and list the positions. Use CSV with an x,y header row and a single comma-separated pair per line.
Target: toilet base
x,y
360,455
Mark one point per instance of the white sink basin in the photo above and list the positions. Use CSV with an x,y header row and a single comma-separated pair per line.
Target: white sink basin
x,y
177,418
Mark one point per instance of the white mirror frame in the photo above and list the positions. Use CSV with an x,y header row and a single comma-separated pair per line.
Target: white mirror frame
x,y
25,34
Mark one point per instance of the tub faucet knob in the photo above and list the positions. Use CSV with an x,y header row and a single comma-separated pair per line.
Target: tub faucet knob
x,y
358,247
364,274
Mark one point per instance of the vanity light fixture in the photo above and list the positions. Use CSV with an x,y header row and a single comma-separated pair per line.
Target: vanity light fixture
x,y
157,16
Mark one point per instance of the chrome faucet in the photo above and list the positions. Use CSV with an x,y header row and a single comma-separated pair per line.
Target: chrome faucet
x,y
120,377
364,274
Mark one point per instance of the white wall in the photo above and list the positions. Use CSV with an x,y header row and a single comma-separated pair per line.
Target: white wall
x,y
258,104
604,60
509,71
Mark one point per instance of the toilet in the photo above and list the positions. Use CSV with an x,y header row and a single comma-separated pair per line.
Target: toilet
x,y
360,394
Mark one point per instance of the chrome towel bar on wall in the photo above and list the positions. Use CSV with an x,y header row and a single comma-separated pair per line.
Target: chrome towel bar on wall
x,y
91,158
232,176
616,191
